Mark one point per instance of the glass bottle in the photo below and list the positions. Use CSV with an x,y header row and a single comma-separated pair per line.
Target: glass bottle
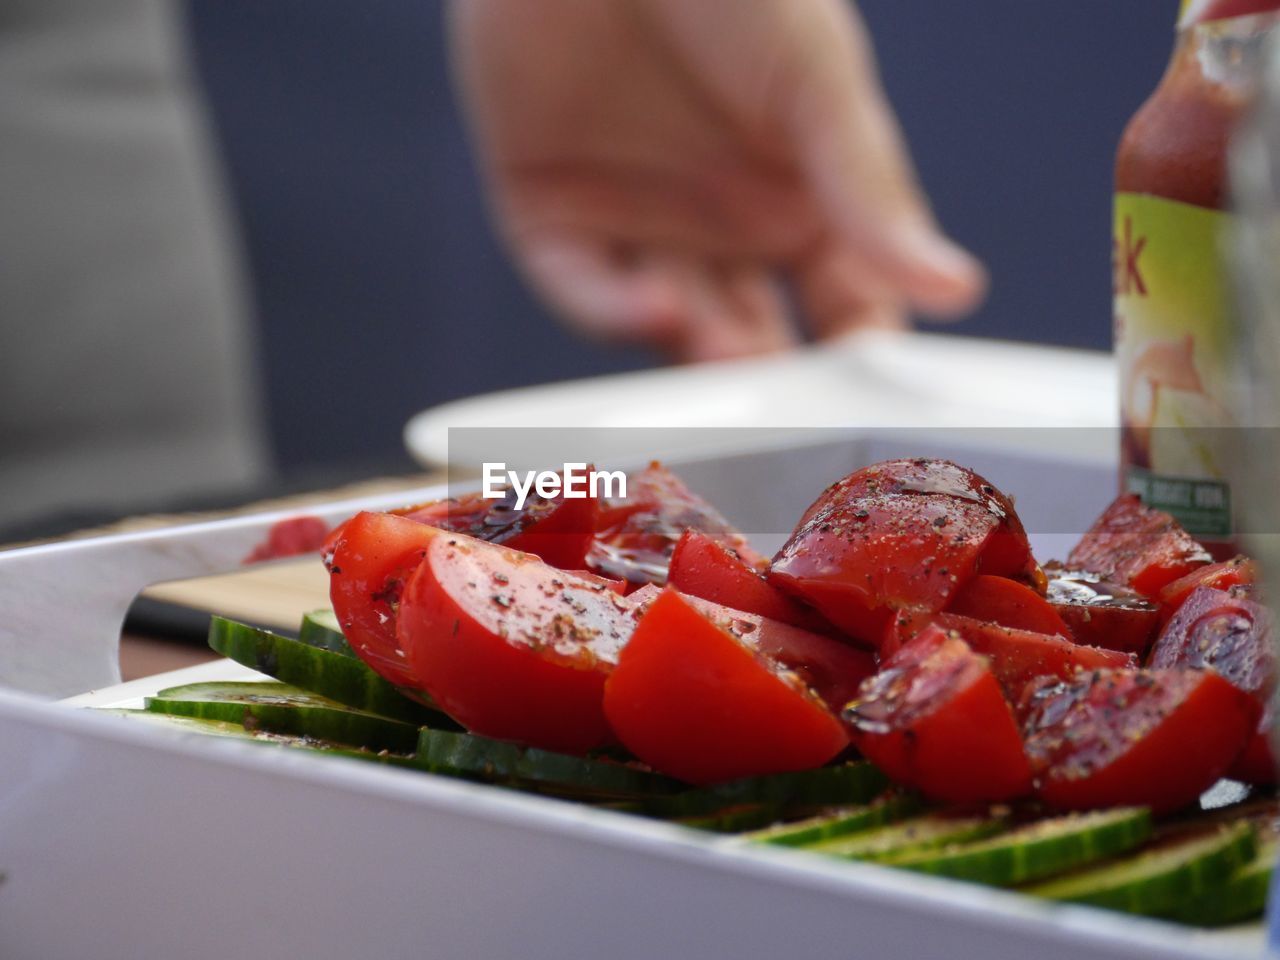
x,y
1174,333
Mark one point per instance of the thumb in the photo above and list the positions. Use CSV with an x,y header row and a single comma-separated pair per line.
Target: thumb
x,y
851,150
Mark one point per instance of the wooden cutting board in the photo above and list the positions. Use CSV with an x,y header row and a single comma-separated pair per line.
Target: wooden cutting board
x,y
275,595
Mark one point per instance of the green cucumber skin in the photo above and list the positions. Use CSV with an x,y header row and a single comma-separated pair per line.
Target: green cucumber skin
x,y
332,675
1177,875
321,629
1019,856
922,833
845,785
837,823
733,819
481,758
223,728
245,691
360,730
1243,897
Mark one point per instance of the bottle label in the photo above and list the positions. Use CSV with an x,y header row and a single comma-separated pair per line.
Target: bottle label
x,y
1173,341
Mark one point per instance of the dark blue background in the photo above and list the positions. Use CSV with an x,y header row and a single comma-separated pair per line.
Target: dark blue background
x,y
380,288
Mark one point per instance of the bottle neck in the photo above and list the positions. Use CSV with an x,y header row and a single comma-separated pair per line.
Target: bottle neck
x,y
1194,12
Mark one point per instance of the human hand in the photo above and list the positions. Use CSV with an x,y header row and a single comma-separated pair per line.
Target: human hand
x,y
656,166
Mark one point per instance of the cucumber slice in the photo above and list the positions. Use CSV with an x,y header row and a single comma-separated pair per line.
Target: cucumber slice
x,y
225,728
1242,897
1163,879
343,679
1034,851
920,833
733,820
320,629
280,708
837,823
497,761
235,693
803,790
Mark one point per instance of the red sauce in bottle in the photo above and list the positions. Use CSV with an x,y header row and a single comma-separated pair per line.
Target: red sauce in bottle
x,y
1173,321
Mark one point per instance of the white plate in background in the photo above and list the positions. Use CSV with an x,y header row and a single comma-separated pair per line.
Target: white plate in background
x,y
872,379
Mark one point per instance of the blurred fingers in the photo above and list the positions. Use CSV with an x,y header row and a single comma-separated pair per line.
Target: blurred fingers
x,y
852,151
841,293
690,309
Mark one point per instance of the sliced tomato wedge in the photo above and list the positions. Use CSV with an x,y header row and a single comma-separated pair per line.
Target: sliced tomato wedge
x,y
636,535
1140,547
510,646
1009,603
1239,571
830,667
703,567
1016,657
900,535
371,560
557,529
1103,614
617,586
1233,635
696,702
934,719
1257,764
1158,738
291,537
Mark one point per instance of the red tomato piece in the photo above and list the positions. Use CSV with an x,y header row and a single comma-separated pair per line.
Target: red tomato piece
x,y
1257,763
636,535
1009,603
900,535
290,537
1140,547
934,719
830,667
1236,572
512,647
1233,635
695,702
373,557
1103,614
617,586
1119,737
1016,657
702,567
558,529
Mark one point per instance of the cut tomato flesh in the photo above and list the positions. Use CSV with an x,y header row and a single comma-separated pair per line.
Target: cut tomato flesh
x,y
1257,762
934,719
512,647
1140,547
1234,636
1230,634
1017,657
1009,603
1239,571
830,667
372,558
693,701
903,535
557,529
636,535
1157,738
1103,614
702,567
